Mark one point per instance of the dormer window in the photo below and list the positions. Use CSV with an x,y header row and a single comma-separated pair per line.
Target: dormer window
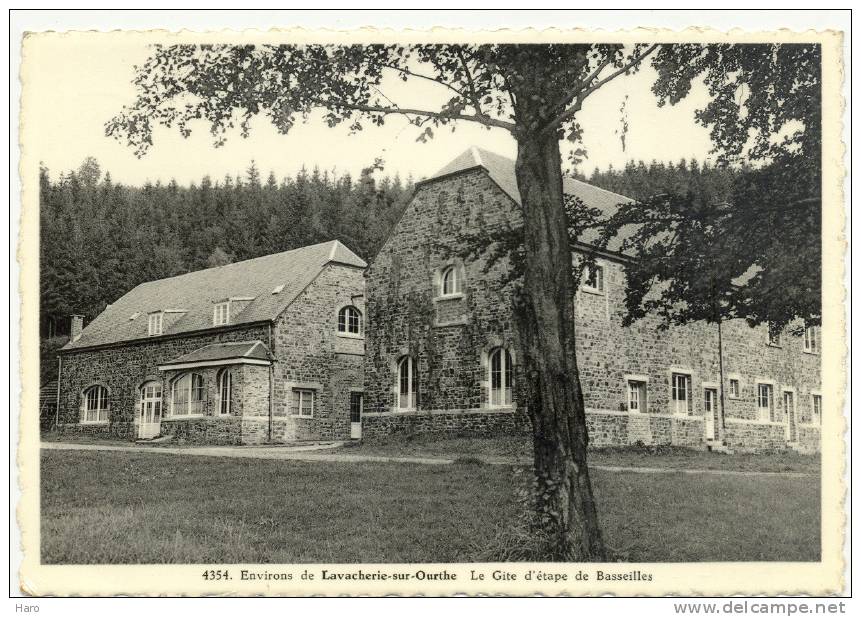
x,y
221,314
154,325
451,283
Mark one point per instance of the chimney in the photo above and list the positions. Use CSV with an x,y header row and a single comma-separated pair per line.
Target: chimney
x,y
77,327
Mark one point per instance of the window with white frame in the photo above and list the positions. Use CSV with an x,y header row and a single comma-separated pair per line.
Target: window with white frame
x,y
95,404
155,323
350,320
225,391
811,339
816,412
221,314
501,378
734,388
187,395
593,277
637,396
450,282
303,403
765,401
681,394
407,383
773,336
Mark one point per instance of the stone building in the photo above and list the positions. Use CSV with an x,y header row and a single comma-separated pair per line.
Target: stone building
x,y
442,356
269,349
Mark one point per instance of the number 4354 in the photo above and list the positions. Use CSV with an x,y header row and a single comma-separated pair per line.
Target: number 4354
x,y
216,575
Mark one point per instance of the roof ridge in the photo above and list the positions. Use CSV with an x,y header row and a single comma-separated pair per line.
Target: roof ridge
x,y
237,263
595,186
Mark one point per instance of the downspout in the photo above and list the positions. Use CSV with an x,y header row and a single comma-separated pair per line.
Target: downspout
x,y
271,381
59,377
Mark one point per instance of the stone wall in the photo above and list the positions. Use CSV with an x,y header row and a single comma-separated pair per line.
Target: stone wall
x,y
449,338
450,423
124,368
313,355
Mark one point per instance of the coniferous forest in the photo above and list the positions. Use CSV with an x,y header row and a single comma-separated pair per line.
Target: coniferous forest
x,y
99,239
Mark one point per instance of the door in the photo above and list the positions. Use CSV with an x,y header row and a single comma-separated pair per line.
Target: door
x,y
149,422
709,411
356,401
789,410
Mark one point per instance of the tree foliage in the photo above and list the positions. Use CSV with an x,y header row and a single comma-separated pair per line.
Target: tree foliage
x,y
749,246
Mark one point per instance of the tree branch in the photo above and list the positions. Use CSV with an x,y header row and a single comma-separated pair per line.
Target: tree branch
x,y
581,96
439,115
427,77
471,84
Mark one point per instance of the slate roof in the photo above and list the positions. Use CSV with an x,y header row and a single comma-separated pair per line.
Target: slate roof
x,y
255,350
501,171
189,298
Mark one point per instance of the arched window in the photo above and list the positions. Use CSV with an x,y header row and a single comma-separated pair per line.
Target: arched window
x,y
451,283
501,377
225,391
407,383
187,395
95,404
350,320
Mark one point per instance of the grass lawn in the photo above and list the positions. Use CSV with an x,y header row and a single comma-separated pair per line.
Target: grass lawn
x,y
632,456
121,507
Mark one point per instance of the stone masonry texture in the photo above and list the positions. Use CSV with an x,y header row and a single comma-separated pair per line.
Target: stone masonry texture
x,y
309,353
449,340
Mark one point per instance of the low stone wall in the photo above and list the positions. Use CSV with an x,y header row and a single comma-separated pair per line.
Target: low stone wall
x,y
809,438
205,431
111,430
750,436
606,428
445,422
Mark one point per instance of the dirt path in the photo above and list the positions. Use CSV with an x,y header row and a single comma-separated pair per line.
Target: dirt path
x,y
324,454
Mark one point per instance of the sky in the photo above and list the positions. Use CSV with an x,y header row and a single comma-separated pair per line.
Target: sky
x,y
81,82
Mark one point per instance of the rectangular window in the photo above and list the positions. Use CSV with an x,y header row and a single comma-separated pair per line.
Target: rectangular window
x,y
303,403
773,336
221,314
154,324
593,277
681,394
734,388
817,409
765,402
811,341
637,396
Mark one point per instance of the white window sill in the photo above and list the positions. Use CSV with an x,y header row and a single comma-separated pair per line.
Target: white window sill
x,y
812,353
775,345
184,417
93,422
454,296
351,335
298,417
592,290
405,410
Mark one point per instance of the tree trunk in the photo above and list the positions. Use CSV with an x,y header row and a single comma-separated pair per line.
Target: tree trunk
x,y
546,329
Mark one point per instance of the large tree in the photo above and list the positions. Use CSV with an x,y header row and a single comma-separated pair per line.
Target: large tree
x,y
534,92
